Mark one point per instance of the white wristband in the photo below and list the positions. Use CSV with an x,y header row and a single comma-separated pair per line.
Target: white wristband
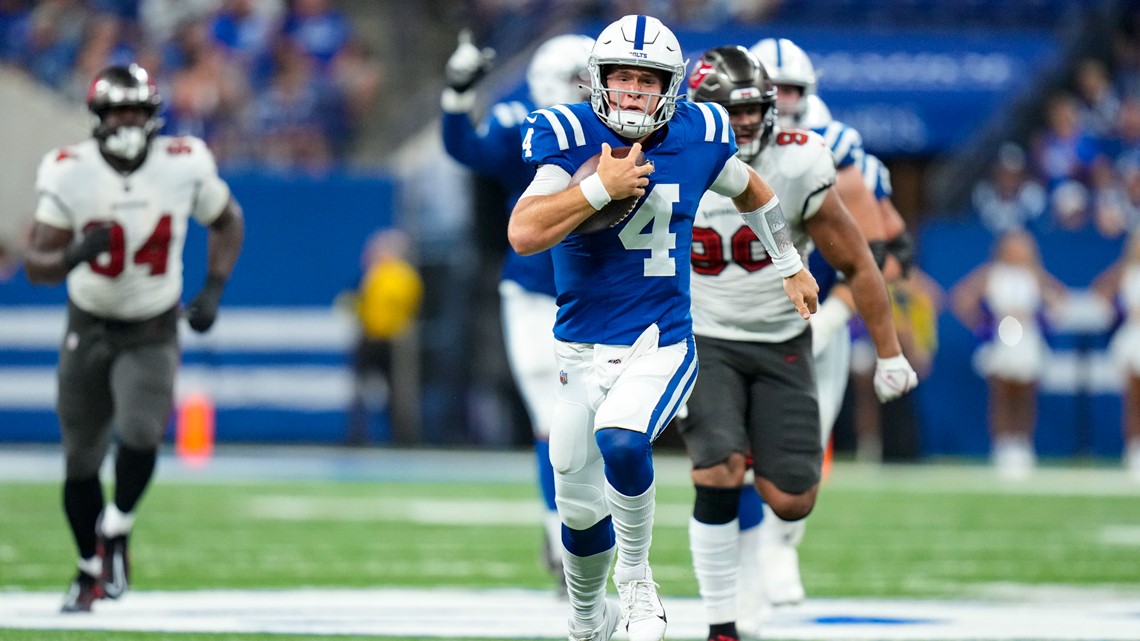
x,y
789,264
594,191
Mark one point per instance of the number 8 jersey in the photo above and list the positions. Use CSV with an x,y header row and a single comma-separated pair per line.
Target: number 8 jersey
x,y
737,294
615,283
140,276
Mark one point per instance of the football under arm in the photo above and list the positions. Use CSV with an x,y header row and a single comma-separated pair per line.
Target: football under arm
x,y
547,211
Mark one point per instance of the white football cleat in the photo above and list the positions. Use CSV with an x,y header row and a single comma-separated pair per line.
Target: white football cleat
x,y
644,614
605,631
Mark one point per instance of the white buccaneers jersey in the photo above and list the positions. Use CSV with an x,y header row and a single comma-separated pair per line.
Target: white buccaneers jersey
x,y
140,276
737,293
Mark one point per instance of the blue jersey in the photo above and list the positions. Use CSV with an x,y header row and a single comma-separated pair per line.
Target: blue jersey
x,y
493,150
845,143
615,283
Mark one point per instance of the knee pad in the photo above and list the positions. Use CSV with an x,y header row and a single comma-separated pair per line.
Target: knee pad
x,y
629,459
570,433
580,504
716,505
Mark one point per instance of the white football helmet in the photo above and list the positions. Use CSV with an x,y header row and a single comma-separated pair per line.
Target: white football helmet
x,y
636,41
787,64
816,114
558,72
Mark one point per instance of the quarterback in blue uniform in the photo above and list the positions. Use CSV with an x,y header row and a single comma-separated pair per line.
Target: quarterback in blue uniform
x,y
624,333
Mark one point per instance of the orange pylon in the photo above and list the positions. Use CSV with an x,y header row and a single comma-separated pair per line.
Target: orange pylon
x,y
194,429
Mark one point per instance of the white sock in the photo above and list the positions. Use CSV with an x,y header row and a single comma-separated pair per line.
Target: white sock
x,y
716,556
586,587
92,566
553,526
773,529
748,587
115,523
633,529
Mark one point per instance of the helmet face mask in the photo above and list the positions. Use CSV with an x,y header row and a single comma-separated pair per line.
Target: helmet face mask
x,y
558,71
733,78
641,43
790,68
115,95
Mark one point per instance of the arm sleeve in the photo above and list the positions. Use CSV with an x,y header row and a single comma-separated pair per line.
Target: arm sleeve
x,y
549,179
732,180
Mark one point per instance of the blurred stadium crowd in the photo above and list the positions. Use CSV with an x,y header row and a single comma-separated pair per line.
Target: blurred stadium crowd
x,y
1082,164
268,84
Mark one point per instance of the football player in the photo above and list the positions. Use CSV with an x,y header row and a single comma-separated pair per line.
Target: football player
x,y
556,75
111,219
757,392
625,347
799,106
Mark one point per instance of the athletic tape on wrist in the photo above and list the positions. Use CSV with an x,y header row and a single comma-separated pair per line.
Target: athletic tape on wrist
x,y
772,229
595,192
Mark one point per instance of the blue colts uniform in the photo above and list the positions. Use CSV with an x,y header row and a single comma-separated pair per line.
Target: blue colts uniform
x,y
613,284
493,150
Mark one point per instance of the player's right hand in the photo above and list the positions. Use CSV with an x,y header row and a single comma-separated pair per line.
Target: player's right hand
x,y
803,291
623,177
95,241
468,64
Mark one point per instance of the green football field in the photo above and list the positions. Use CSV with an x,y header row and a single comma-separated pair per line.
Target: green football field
x,y
907,532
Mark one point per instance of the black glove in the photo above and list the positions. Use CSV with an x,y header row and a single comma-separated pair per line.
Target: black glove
x,y
468,64
902,247
95,241
203,310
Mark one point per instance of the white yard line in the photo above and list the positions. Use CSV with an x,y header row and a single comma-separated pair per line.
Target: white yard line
x,y
518,614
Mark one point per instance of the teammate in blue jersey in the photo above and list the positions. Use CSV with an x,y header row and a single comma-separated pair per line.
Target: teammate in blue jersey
x,y
625,345
557,74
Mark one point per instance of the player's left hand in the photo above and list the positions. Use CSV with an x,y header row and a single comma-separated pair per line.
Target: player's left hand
x,y
203,310
894,377
803,291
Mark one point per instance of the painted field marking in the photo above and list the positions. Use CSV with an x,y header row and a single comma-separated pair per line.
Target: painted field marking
x,y
519,614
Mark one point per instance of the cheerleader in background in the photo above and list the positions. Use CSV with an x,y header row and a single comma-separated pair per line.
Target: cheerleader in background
x,y
1003,301
1120,286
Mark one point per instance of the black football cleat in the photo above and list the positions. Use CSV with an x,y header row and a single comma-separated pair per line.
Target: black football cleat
x,y
116,567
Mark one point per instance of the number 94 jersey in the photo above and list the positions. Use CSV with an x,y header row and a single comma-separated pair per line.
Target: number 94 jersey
x,y
737,294
140,276
615,283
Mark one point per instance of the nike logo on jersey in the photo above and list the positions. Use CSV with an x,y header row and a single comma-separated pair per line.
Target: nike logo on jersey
x,y
532,118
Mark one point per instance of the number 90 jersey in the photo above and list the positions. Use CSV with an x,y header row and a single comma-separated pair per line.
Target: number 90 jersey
x,y
615,283
737,294
140,276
